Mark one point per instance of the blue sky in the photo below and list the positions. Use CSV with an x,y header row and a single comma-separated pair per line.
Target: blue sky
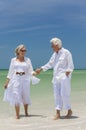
x,y
35,22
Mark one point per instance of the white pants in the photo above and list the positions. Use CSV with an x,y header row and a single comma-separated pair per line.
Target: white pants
x,y
62,93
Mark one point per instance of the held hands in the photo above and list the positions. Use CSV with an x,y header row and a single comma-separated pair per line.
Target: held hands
x,y
38,70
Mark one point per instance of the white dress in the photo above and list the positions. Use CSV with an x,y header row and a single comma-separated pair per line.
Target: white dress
x,y
18,89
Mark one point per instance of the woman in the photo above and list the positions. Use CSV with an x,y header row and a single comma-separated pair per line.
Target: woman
x,y
17,86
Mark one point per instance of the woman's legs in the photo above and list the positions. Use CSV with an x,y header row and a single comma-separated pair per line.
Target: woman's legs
x,y
26,109
17,109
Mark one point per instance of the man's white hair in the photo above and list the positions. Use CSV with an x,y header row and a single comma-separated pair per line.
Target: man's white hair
x,y
56,41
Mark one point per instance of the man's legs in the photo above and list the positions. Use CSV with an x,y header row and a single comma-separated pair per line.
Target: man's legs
x,y
65,92
57,116
58,100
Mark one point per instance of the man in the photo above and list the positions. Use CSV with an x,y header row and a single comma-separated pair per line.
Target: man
x,y
62,64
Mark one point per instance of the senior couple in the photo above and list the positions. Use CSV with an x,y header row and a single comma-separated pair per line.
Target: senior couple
x,y
17,85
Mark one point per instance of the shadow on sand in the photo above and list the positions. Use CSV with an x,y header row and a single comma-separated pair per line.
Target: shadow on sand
x,y
72,117
33,115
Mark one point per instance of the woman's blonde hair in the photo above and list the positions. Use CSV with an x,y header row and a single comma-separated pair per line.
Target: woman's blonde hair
x,y
18,48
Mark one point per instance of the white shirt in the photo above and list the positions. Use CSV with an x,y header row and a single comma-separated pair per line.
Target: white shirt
x,y
61,62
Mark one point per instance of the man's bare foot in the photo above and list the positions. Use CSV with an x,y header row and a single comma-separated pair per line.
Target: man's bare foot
x,y
56,117
69,114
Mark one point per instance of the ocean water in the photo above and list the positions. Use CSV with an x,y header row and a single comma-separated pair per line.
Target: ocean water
x,y
44,88
3,74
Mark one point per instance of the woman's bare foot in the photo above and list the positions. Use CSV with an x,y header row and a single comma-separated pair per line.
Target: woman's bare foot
x,y
17,117
26,114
